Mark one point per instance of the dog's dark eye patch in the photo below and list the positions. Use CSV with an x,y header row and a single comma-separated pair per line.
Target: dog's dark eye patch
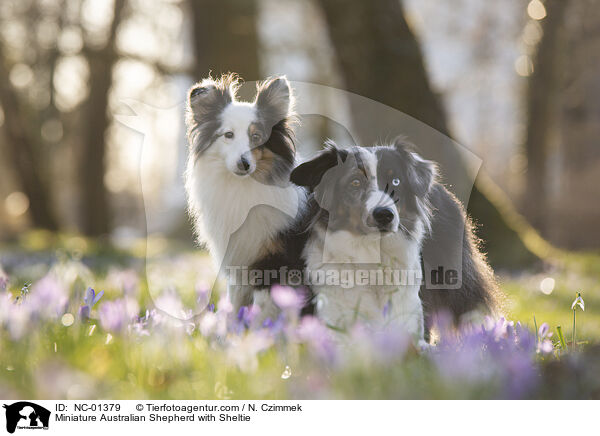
x,y
258,131
198,91
348,201
389,167
360,164
392,166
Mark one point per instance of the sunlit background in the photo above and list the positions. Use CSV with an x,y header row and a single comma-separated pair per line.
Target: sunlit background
x,y
92,154
61,57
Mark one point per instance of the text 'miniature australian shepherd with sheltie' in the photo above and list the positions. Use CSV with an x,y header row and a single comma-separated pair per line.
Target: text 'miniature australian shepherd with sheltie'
x,y
244,208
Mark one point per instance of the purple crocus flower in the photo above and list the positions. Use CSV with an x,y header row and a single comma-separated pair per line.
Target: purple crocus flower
x,y
208,324
386,309
115,315
202,297
318,337
544,345
287,298
240,315
170,303
267,323
6,303
90,299
225,305
390,344
543,330
277,326
84,312
246,315
48,297
142,325
244,350
3,280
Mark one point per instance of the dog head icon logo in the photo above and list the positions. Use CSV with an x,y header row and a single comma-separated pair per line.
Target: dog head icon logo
x,y
26,415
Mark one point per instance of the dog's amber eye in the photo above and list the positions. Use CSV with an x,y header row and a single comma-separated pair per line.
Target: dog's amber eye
x,y
228,135
355,183
396,182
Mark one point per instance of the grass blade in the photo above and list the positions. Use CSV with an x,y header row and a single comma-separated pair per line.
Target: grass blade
x,y
561,338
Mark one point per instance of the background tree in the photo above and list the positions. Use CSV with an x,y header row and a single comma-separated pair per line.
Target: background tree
x,y
51,141
237,52
572,213
380,58
95,208
542,107
22,149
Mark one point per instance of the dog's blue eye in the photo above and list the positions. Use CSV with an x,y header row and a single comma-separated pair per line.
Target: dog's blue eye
x,y
355,183
256,137
396,182
228,135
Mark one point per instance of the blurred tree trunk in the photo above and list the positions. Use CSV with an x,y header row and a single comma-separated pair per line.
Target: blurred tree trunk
x,y
225,38
573,216
24,154
541,114
95,208
381,59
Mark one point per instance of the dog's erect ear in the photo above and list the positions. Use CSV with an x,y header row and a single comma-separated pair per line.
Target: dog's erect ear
x,y
424,172
206,101
310,173
420,173
274,99
211,96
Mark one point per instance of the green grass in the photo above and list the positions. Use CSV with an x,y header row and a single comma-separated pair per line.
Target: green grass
x,y
524,299
81,362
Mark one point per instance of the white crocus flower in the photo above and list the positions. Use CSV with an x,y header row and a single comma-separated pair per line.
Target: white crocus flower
x,y
578,302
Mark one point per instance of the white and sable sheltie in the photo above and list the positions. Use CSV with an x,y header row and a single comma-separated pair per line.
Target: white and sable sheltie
x,y
244,208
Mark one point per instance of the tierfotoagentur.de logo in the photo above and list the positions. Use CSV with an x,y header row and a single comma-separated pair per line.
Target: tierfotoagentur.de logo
x,y
26,415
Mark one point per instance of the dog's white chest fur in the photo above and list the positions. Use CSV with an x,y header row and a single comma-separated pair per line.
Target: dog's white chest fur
x,y
236,217
393,260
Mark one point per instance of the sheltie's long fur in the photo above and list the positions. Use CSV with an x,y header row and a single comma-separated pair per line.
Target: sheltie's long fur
x,y
243,206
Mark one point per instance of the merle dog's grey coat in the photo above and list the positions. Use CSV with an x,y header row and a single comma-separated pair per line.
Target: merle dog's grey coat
x,y
449,238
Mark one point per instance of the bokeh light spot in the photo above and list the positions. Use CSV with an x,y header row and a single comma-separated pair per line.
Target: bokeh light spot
x,y
67,320
547,285
21,75
536,10
16,204
524,66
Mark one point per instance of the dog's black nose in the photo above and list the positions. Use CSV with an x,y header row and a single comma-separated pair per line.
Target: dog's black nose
x,y
243,164
383,215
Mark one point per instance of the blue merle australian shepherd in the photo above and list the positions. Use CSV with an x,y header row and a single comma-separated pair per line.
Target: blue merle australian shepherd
x,y
382,209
